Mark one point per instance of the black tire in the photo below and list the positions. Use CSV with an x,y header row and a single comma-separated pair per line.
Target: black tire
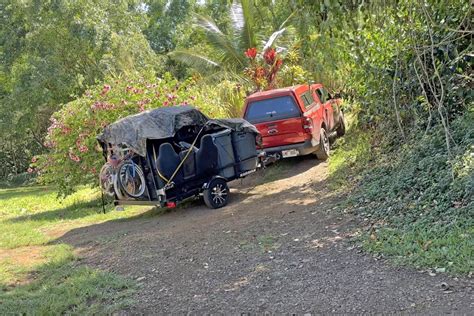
x,y
217,194
341,129
323,149
106,179
131,179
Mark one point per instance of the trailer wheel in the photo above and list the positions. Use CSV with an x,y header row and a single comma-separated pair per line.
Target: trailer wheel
x,y
217,193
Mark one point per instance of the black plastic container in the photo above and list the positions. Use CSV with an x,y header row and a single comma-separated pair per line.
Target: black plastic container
x,y
245,151
226,158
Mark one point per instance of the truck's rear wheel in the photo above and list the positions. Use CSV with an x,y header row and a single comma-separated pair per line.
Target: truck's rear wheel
x,y
323,151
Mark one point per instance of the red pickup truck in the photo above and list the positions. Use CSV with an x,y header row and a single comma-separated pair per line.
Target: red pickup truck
x,y
296,120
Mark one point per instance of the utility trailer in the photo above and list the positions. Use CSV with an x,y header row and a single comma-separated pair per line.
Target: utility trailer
x,y
176,153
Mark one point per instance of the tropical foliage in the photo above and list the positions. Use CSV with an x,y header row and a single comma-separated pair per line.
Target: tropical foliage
x,y
404,68
226,49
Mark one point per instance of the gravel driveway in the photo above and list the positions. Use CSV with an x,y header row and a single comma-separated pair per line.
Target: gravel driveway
x,y
277,247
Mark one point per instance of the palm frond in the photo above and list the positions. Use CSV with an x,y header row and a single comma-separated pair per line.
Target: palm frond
x,y
288,19
194,60
271,40
220,42
237,16
248,38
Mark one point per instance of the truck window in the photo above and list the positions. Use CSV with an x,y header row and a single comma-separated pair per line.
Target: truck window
x,y
322,94
272,109
307,99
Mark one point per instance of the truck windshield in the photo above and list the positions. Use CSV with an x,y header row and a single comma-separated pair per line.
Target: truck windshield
x,y
272,109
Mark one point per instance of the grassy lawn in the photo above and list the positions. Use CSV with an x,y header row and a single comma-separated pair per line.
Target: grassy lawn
x,y
38,276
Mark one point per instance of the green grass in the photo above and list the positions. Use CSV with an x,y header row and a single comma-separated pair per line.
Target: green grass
x,y
419,200
40,276
63,287
353,152
435,247
27,213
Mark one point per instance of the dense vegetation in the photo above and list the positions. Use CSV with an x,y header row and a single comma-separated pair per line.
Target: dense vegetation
x,y
404,68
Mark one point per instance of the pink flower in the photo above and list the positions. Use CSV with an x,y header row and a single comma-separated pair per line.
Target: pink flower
x,y
83,148
74,157
34,159
166,103
102,106
66,130
105,89
30,170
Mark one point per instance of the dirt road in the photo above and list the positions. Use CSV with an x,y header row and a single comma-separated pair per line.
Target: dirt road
x,y
278,246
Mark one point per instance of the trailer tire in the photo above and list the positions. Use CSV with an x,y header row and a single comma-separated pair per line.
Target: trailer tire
x,y
217,193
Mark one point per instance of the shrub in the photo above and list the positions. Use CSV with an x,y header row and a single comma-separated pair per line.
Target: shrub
x,y
75,156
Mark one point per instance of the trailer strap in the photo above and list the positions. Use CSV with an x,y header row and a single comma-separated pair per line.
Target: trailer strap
x,y
185,156
156,167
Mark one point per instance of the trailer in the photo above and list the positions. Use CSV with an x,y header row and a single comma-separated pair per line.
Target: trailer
x,y
167,155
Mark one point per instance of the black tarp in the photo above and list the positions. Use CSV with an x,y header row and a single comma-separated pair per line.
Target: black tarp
x,y
235,124
134,130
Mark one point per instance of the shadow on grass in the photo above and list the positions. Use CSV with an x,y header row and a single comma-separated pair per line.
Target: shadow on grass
x,y
74,211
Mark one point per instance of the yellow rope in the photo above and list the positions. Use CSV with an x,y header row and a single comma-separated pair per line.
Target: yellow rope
x,y
185,156
158,170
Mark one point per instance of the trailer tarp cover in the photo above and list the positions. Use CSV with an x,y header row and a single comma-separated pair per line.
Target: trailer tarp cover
x,y
134,130
235,124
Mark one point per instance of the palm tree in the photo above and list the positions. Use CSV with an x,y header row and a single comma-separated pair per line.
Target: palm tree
x,y
230,47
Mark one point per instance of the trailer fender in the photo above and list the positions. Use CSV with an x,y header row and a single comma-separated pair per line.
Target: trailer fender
x,y
206,185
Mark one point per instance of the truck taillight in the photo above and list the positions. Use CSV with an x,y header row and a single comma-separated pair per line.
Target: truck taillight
x,y
307,125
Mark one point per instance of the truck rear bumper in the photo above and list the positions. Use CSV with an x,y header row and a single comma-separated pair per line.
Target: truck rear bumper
x,y
304,148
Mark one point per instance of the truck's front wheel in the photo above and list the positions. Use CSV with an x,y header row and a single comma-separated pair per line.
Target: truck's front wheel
x,y
323,150
341,129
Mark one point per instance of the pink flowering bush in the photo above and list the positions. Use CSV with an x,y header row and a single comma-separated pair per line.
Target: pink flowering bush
x,y
75,156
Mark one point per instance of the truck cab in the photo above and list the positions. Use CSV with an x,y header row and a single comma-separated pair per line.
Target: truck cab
x,y
295,121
